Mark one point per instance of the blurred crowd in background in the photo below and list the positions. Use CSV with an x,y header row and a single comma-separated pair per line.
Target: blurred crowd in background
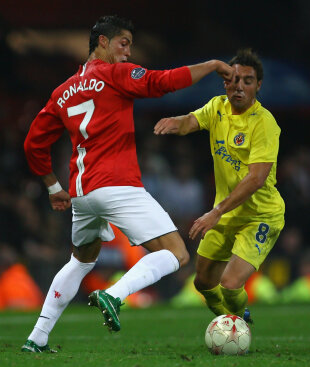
x,y
35,242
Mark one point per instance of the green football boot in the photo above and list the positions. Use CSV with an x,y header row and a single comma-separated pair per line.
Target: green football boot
x,y
109,306
32,347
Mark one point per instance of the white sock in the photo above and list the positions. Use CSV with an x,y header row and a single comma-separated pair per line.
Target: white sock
x,y
146,271
63,288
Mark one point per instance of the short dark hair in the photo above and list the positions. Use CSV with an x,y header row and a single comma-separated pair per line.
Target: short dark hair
x,y
247,57
110,26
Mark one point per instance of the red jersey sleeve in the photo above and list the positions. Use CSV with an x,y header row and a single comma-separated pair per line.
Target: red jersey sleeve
x,y
135,81
45,129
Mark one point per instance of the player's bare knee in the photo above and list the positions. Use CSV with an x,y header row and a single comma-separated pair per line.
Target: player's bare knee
x,y
87,253
180,253
201,283
178,248
183,257
197,283
231,283
171,242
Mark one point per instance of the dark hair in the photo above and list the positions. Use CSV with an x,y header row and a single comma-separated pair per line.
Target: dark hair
x,y
247,57
110,26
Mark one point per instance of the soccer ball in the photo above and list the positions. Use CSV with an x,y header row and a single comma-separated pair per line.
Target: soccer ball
x,y
228,334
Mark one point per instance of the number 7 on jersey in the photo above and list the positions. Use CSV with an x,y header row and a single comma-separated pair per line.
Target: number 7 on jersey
x,y
88,108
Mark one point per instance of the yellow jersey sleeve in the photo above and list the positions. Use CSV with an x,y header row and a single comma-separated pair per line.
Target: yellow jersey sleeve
x,y
204,114
265,140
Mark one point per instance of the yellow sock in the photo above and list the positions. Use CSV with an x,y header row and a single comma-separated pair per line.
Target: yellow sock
x,y
235,300
214,300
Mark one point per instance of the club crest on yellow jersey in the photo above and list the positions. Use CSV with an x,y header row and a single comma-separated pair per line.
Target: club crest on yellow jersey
x,y
239,139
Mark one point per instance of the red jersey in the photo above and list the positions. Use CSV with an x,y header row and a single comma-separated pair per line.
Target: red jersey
x,y
96,107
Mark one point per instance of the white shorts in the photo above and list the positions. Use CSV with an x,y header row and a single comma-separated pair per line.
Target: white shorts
x,y
133,210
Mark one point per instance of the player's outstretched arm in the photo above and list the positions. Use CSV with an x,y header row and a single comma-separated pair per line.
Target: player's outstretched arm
x,y
199,71
60,200
180,125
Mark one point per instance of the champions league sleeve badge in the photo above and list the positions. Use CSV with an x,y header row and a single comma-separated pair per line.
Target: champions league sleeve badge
x,y
137,73
239,139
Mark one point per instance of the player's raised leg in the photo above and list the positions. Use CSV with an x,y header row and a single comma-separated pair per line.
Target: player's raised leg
x,y
168,253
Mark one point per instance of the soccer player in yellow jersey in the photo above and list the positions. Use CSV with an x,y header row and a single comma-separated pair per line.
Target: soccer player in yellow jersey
x,y
248,213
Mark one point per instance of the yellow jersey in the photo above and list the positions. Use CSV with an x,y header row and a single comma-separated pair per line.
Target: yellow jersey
x,y
237,141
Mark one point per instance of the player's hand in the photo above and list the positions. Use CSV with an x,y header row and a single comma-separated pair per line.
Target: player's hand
x,y
60,201
204,224
167,125
224,70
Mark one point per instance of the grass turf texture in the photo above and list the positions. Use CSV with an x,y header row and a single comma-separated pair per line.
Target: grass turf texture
x,y
158,336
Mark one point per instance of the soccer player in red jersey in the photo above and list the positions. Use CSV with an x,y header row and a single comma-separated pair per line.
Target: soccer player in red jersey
x,y
95,105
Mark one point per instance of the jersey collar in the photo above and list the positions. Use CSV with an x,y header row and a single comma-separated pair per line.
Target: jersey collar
x,y
248,112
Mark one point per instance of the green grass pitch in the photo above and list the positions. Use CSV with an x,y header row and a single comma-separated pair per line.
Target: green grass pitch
x,y
157,337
